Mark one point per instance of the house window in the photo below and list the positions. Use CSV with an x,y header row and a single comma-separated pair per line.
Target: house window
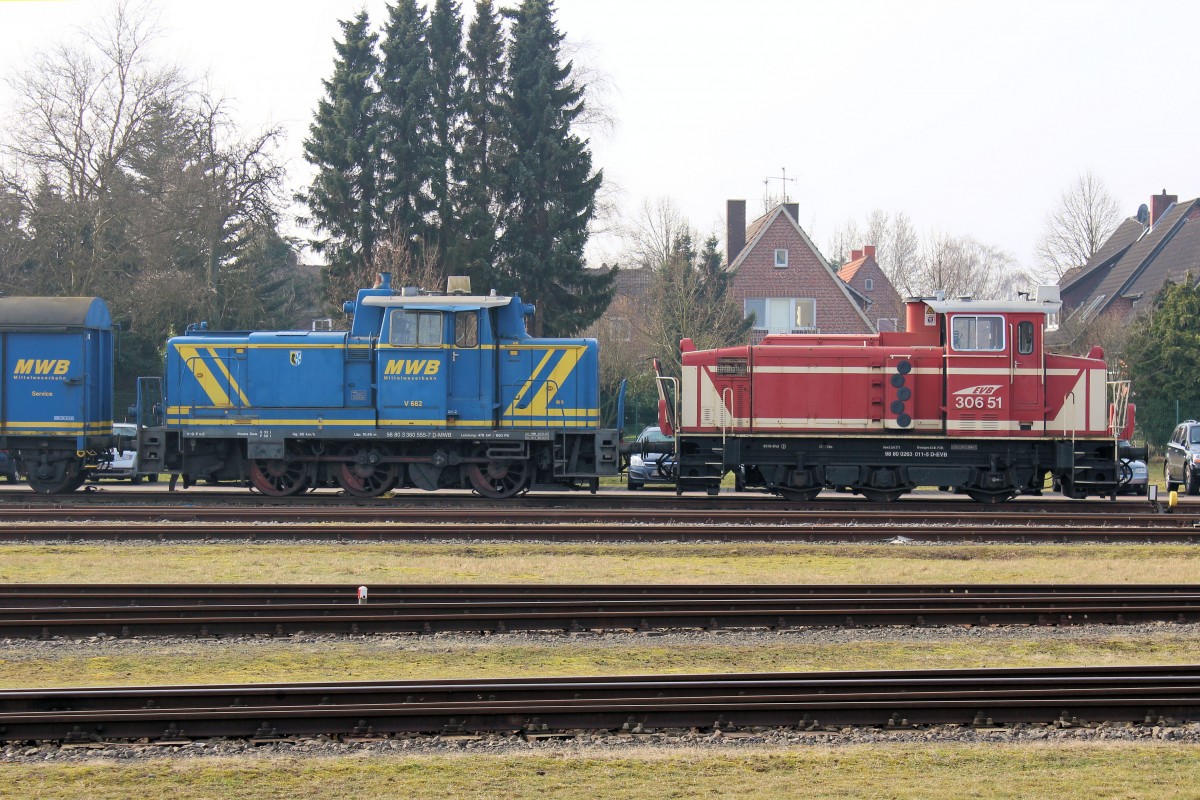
x,y
619,329
781,257
870,287
981,334
782,314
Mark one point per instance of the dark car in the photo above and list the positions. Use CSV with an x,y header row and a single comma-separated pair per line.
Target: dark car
x,y
8,467
1182,466
650,467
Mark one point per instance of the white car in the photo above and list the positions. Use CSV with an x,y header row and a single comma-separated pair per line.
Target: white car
x,y
124,463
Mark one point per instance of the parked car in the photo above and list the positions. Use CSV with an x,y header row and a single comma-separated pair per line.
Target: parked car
x,y
1135,476
124,463
1183,458
8,467
651,467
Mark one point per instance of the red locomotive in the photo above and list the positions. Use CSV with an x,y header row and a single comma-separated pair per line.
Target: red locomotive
x,y
965,399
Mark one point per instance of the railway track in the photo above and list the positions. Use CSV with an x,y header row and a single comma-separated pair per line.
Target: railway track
x,y
48,611
773,522
99,495
864,532
1078,696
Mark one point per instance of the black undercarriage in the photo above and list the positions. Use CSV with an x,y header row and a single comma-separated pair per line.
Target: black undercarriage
x,y
990,470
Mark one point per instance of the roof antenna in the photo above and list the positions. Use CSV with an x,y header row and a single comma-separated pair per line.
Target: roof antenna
x,y
783,180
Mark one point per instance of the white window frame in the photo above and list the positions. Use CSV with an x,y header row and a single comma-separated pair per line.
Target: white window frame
x,y
794,303
965,338
781,258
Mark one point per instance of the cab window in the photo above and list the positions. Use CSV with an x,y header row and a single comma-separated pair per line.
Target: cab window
x,y
466,329
416,328
977,333
1024,338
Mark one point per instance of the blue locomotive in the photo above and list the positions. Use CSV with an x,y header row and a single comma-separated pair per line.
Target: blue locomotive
x,y
427,390
56,415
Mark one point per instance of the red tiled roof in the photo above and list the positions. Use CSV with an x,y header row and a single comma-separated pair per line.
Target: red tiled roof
x,y
850,269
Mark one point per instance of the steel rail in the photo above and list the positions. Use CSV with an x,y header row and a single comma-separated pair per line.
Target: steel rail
x,y
143,614
32,595
431,516
589,533
636,704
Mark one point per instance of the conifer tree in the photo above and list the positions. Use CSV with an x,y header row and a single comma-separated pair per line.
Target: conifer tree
x,y
446,105
476,166
1163,358
549,188
406,162
342,146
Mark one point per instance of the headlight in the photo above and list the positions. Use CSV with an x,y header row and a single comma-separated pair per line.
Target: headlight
x,y
635,461
1196,458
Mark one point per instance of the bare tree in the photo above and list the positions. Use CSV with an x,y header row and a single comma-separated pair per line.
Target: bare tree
x,y
897,248
844,239
651,236
85,106
963,266
1085,217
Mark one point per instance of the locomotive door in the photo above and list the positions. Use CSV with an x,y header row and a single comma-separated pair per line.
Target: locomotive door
x,y
472,374
978,375
1028,373
412,370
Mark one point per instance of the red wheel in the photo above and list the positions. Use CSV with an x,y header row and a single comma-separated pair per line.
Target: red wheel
x,y
277,478
499,479
365,476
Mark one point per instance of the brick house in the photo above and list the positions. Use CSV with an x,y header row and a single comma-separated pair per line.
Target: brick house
x,y
784,280
1162,243
863,274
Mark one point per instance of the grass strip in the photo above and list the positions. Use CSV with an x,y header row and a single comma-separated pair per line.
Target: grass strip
x,y
268,661
566,563
934,772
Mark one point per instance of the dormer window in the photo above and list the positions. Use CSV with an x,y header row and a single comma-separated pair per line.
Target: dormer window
x,y
780,257
870,287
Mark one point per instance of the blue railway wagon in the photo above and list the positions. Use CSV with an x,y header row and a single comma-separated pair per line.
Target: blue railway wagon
x,y
56,415
431,391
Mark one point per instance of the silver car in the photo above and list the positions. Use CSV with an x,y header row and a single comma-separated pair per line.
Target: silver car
x,y
124,462
1183,458
651,467
1135,476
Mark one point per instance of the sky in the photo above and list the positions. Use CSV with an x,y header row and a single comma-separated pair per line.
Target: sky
x,y
970,117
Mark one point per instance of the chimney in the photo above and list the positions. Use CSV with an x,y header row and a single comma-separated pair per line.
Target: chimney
x,y
855,255
1159,203
869,250
735,229
793,211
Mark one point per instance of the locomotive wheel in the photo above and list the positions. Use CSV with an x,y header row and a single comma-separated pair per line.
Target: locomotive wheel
x,y
989,498
882,495
499,479
277,478
361,478
797,495
72,478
